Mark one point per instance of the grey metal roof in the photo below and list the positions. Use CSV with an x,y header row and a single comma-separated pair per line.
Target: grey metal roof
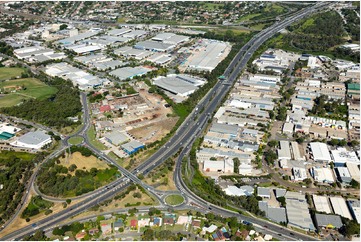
x,y
275,214
132,145
322,220
116,137
263,191
280,192
224,129
153,45
34,138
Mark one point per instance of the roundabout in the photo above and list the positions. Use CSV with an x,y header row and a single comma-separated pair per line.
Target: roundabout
x,y
174,200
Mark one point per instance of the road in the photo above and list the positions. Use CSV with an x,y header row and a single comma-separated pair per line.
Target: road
x,y
184,137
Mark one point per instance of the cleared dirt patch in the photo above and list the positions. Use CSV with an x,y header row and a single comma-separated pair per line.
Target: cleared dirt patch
x,y
82,161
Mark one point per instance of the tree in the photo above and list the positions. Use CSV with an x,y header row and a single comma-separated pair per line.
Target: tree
x,y
148,235
68,201
354,184
63,26
272,143
350,228
72,167
282,200
308,181
236,164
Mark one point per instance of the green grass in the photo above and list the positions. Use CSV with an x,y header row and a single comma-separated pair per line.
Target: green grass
x,y
174,199
93,140
213,6
76,140
33,88
106,175
10,72
248,17
21,155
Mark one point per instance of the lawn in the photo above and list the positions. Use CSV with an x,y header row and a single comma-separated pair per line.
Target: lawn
x,y
10,72
75,140
21,155
210,5
93,140
22,89
174,199
81,161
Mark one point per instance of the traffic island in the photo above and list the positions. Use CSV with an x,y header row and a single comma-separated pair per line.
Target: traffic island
x,y
76,140
174,200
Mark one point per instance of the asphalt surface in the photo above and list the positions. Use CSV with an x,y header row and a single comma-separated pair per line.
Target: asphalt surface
x,y
185,136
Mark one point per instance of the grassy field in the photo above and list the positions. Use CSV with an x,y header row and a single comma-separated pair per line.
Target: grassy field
x,y
82,161
248,17
24,89
76,140
174,199
93,140
213,6
10,72
21,155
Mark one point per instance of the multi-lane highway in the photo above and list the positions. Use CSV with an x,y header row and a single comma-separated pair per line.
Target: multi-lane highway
x,y
183,139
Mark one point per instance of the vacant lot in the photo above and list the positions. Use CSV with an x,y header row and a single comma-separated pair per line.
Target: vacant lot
x,y
21,89
10,72
82,161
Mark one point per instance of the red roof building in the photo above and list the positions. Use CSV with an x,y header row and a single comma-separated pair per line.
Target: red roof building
x,y
104,108
133,223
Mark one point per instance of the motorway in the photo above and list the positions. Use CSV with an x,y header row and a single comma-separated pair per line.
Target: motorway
x,y
190,129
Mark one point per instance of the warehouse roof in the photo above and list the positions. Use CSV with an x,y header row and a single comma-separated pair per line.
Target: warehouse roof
x,y
132,145
322,174
224,129
321,204
78,37
354,171
342,155
34,138
153,45
284,151
263,191
339,207
327,220
276,214
178,84
129,72
320,152
118,32
163,36
117,137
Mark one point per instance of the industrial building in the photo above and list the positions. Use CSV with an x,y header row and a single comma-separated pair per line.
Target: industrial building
x,y
339,207
154,46
170,38
277,214
178,84
80,78
225,166
342,155
241,191
225,129
284,152
322,174
264,192
321,204
320,152
129,72
132,147
76,38
297,211
354,171
343,175
32,140
298,174
354,206
296,152
209,55
116,137
328,221
38,54
82,49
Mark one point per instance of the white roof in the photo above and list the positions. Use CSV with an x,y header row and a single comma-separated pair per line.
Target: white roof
x,y
353,170
288,127
210,229
339,207
320,152
322,174
342,155
284,152
321,204
296,151
235,191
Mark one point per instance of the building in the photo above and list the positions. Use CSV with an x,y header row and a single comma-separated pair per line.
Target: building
x,y
297,211
354,171
296,152
132,147
33,140
322,174
354,206
320,152
154,46
288,128
241,191
178,84
8,131
264,192
273,213
224,129
339,207
298,174
284,152
328,221
225,166
129,72
341,156
321,204
343,175
116,137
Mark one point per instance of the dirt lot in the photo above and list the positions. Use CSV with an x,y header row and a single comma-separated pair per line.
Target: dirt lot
x,y
169,187
82,161
154,131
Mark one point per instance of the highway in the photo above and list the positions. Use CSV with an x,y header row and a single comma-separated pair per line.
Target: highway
x,y
190,129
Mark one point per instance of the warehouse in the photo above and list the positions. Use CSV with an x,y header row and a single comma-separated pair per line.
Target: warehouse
x,y
132,147
322,174
264,192
119,32
343,175
225,166
208,56
241,191
182,85
298,174
273,213
320,152
321,204
284,152
354,206
328,221
296,152
160,59
84,49
135,34
129,72
154,46
354,171
73,39
288,128
297,211
116,137
33,140
342,156
224,129
339,207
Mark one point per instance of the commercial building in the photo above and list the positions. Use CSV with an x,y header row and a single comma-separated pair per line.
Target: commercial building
x,y
178,84
32,140
298,174
8,131
241,191
322,174
224,129
116,137
264,192
284,152
339,207
277,214
129,72
354,171
341,156
225,166
154,46
328,221
132,147
320,152
321,204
